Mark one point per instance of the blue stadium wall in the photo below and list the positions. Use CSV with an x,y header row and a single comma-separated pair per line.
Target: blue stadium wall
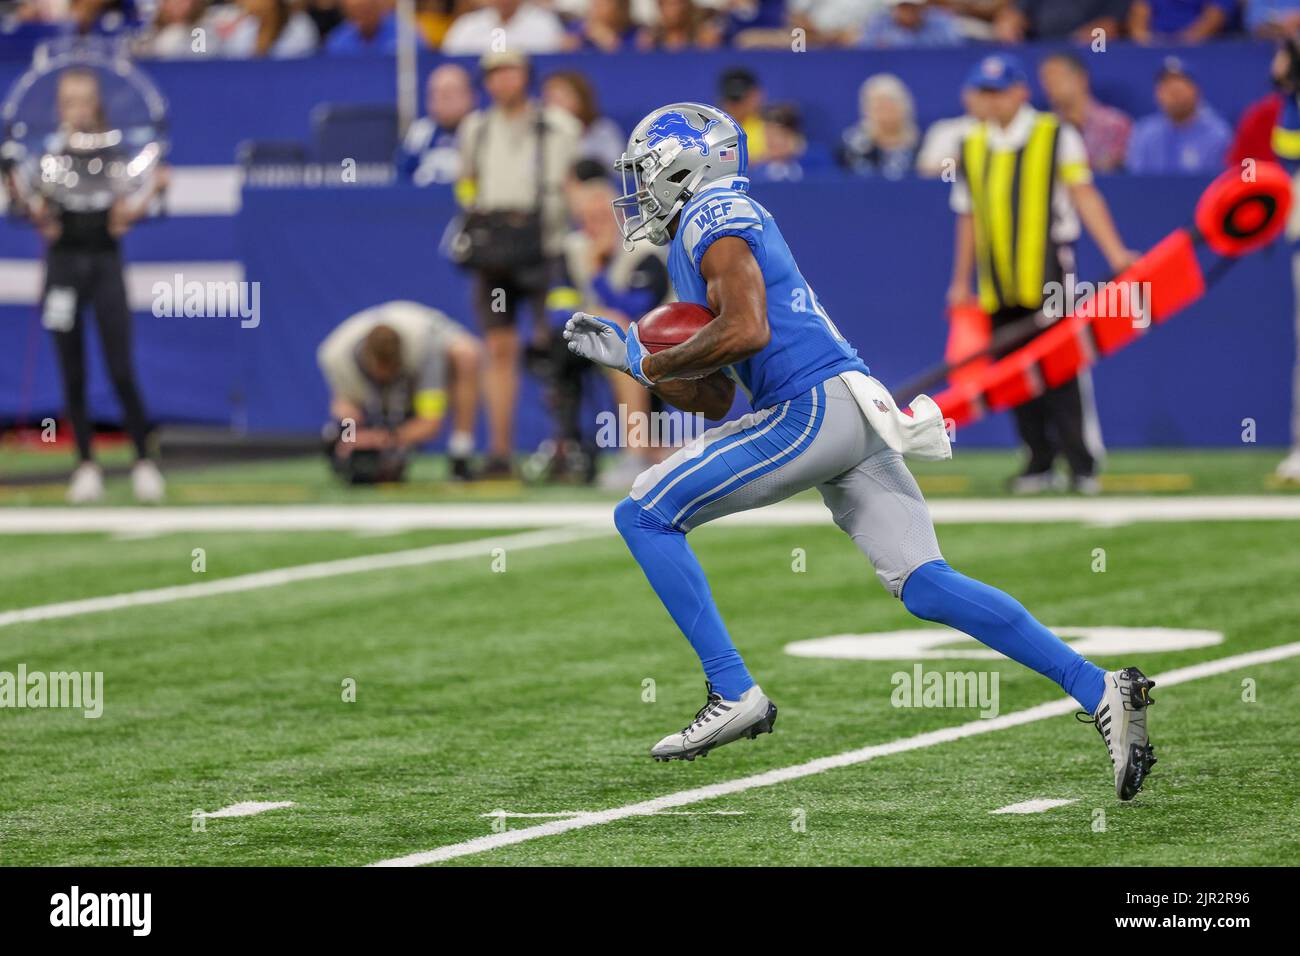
x,y
877,253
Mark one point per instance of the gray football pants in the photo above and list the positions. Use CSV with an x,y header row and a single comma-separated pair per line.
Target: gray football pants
x,y
820,440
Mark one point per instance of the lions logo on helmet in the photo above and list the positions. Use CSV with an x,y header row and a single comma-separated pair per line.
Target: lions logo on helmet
x,y
672,153
678,127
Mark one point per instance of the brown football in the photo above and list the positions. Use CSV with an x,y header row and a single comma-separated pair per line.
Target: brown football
x,y
671,324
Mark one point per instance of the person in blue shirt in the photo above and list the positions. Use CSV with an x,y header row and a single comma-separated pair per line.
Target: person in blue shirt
x,y
790,156
1186,136
1179,21
429,154
367,27
819,421
909,23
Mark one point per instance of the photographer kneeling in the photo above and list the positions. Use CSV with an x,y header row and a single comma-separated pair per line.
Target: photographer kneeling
x,y
393,370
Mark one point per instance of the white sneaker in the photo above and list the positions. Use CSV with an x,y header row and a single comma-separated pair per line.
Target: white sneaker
x,y
1121,719
147,482
1289,469
621,475
1037,483
719,722
1088,485
87,484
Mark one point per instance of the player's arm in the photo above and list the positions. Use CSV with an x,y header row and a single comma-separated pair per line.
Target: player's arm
x,y
737,295
711,396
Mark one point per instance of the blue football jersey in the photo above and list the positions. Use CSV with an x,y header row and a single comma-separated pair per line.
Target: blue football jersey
x,y
805,347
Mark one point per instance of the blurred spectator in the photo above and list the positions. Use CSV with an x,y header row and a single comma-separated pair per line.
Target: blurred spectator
x,y
270,28
393,371
941,148
602,140
429,154
170,35
911,23
756,23
883,142
1186,136
369,26
1178,21
87,17
1254,136
832,22
326,14
742,96
1010,194
607,27
525,27
1059,19
1105,129
598,274
1272,19
789,154
974,17
516,155
682,26
433,18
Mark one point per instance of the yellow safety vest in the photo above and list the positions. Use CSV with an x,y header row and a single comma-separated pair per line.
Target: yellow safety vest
x,y
1011,207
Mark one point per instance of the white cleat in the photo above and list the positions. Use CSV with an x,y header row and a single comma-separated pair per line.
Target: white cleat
x,y
87,484
1121,719
719,722
147,482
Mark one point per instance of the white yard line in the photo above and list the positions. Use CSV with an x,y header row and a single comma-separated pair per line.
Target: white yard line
x,y
1034,806
246,809
381,518
412,557
849,758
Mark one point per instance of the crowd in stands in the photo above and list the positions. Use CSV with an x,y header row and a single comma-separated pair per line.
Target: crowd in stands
x,y
281,28
1185,135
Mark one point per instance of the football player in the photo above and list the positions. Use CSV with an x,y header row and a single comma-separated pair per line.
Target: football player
x,y
819,420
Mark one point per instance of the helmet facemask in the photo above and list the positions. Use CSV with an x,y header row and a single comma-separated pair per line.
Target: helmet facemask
x,y
649,204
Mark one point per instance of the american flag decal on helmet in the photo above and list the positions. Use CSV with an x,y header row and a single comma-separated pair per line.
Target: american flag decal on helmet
x,y
726,154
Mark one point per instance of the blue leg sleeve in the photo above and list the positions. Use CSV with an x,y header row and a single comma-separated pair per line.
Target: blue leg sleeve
x,y
935,592
676,576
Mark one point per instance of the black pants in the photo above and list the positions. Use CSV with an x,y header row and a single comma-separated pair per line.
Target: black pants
x,y
498,296
75,279
1056,422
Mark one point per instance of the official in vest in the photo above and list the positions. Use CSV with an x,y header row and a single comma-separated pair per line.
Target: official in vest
x,y
1023,184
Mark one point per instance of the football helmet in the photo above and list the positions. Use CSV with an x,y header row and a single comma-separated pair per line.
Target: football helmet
x,y
670,155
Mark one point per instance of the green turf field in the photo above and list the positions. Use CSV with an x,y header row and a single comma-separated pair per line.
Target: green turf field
x,y
480,689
